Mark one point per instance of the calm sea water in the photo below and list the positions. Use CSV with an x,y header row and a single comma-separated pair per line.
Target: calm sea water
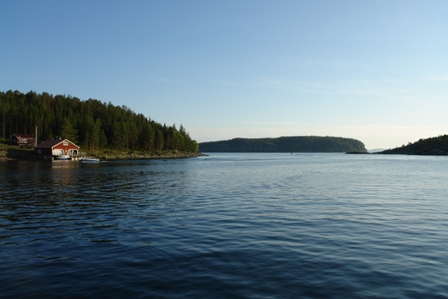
x,y
226,226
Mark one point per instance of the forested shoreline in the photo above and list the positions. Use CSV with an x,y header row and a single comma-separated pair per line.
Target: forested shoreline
x,y
285,144
91,124
436,146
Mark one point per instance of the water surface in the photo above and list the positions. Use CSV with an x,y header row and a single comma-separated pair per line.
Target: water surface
x,y
226,226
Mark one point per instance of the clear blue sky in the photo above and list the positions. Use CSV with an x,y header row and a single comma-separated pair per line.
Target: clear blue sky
x,y
376,70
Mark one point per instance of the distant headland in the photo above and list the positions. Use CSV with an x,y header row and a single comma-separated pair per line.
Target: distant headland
x,y
435,146
285,144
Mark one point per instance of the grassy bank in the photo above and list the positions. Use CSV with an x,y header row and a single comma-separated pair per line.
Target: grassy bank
x,y
9,152
2,151
114,154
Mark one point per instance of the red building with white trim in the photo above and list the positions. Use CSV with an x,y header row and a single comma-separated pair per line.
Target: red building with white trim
x,y
54,148
23,140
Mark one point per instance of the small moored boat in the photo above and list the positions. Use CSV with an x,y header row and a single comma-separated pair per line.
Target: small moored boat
x,y
90,160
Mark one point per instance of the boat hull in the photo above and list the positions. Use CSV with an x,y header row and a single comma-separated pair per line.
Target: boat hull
x,y
90,160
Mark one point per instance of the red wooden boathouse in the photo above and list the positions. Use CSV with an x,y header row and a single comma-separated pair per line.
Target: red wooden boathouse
x,y
53,148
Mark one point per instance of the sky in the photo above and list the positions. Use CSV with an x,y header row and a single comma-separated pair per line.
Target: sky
x,y
376,71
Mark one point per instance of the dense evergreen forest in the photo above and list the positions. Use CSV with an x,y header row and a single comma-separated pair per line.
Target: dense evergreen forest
x,y
285,144
429,146
91,124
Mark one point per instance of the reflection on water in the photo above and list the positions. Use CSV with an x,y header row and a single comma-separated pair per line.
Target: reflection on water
x,y
226,226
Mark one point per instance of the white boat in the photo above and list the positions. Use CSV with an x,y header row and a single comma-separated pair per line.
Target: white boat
x,y
90,160
62,157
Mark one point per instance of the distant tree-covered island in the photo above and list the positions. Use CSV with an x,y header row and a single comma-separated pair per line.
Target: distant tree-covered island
x,y
429,146
91,124
285,144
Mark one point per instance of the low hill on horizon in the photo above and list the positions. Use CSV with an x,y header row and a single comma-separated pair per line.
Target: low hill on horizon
x,y
285,144
429,146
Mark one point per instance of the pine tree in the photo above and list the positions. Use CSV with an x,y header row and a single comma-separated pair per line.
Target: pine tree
x,y
68,131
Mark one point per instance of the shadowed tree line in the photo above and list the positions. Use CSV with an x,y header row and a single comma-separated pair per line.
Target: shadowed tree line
x,y
92,124
429,146
285,144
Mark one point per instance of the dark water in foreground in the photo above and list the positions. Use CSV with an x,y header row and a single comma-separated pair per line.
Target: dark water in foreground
x,y
226,226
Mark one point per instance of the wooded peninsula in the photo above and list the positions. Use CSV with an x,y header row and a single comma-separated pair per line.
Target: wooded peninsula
x,y
92,124
435,146
285,144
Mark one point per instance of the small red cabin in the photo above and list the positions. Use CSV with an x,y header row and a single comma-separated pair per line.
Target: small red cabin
x,y
55,148
23,140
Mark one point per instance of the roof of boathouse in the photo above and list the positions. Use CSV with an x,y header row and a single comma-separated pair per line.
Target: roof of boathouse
x,y
23,135
53,143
